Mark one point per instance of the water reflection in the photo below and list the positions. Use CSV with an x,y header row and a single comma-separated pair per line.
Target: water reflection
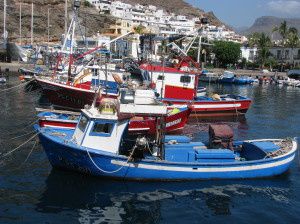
x,y
94,200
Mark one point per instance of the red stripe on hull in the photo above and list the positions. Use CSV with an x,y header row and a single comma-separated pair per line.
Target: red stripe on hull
x,y
57,124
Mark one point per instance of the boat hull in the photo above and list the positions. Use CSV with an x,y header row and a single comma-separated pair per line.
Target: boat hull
x,y
98,163
69,96
204,108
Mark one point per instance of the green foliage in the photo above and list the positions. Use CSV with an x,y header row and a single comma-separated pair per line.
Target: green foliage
x,y
227,52
263,43
87,4
140,29
288,34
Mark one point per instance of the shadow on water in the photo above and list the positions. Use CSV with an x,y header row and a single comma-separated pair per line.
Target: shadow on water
x,y
150,202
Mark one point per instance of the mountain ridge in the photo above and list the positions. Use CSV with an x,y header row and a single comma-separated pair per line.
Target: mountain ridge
x,y
267,23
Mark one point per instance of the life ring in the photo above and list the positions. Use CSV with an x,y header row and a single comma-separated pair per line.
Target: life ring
x,y
117,78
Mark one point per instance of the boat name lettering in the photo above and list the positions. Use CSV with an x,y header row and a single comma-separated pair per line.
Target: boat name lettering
x,y
172,123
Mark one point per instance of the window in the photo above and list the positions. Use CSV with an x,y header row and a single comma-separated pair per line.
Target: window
x,y
102,129
185,79
83,123
95,72
160,77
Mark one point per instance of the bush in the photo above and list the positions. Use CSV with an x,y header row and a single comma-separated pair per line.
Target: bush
x,y
88,4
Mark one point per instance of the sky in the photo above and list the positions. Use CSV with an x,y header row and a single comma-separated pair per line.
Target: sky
x,y
242,13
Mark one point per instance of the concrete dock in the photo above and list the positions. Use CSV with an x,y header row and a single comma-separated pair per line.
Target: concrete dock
x,y
13,67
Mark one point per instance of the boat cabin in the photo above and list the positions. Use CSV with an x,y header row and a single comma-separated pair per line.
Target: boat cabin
x,y
105,127
170,81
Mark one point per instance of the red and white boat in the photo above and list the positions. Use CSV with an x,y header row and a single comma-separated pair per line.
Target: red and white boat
x,y
175,121
79,93
178,86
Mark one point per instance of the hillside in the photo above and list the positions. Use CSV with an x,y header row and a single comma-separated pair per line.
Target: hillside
x,y
89,16
267,23
179,7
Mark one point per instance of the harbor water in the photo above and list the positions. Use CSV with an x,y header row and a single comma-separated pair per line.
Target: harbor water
x,y
32,192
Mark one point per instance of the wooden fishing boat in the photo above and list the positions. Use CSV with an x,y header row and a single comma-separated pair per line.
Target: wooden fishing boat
x,y
100,146
178,86
175,121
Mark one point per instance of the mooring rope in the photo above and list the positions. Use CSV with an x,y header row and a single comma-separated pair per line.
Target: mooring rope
x,y
28,154
15,149
29,125
20,85
22,135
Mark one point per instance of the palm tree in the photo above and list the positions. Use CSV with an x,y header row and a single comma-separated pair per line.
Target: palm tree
x,y
292,42
282,30
263,43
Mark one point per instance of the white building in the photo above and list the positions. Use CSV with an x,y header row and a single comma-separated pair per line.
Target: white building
x,y
249,53
286,55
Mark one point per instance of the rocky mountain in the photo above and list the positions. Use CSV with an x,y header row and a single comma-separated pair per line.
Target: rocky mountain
x,y
89,16
267,23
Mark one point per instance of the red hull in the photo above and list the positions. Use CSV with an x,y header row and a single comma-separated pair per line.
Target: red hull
x,y
146,125
68,96
214,108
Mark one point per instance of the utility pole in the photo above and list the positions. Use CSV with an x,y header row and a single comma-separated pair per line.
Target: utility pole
x,y
31,34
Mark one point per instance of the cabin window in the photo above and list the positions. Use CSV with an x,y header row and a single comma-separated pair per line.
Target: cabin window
x,y
83,123
160,77
185,79
95,72
102,129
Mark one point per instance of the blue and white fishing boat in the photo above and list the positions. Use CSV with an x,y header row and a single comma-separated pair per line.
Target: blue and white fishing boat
x,y
243,80
100,146
227,77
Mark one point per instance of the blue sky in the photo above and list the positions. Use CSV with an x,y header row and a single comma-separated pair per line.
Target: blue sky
x,y
239,13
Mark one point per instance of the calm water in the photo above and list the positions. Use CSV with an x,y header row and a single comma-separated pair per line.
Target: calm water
x,y
31,192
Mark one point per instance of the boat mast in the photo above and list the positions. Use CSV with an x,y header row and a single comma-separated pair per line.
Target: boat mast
x,y
31,33
20,23
48,25
4,25
66,17
199,49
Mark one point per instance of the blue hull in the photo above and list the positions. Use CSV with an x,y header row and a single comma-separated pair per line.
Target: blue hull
x,y
67,155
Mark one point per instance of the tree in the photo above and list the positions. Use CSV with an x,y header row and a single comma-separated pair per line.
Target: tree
x,y
227,52
292,42
263,43
285,31
282,30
